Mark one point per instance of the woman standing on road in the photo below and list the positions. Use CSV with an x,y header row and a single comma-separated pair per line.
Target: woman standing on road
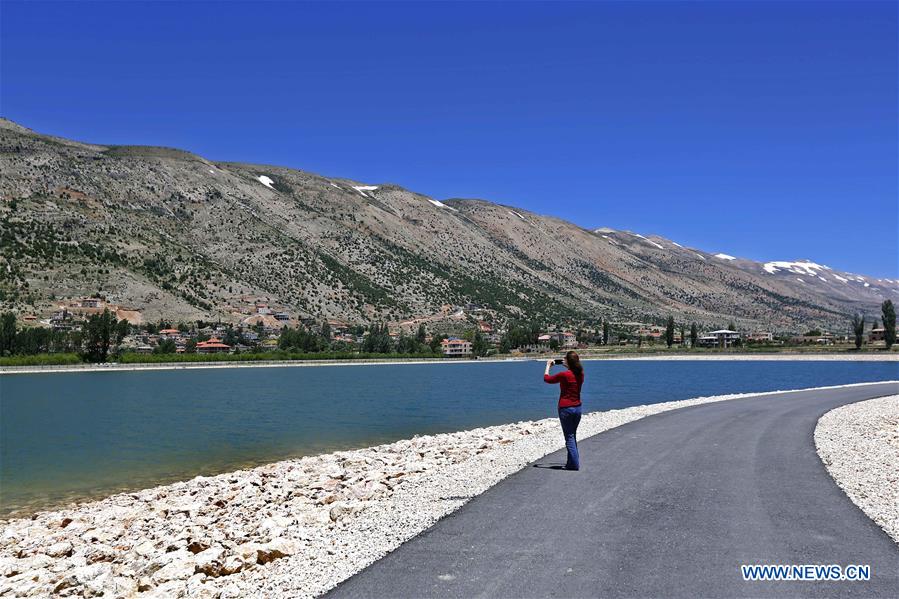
x,y
571,381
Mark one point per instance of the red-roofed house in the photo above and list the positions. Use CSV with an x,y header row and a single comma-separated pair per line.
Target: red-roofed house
x,y
213,346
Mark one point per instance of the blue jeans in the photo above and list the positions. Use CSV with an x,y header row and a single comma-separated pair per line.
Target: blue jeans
x,y
570,418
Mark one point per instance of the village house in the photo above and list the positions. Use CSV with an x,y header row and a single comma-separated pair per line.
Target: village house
x,y
456,347
650,332
760,337
876,335
657,334
213,346
722,338
338,327
822,339
91,302
565,339
62,320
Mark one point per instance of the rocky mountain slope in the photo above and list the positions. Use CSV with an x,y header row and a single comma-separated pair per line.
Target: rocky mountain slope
x,y
176,235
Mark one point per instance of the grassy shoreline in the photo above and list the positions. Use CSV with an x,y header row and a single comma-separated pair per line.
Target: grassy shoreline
x,y
196,361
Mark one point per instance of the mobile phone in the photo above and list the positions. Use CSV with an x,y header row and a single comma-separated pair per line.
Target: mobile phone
x,y
558,361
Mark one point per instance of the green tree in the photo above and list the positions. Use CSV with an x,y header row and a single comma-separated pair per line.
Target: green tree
x,y
694,335
190,347
122,329
683,335
231,337
98,332
731,326
422,333
669,331
7,333
167,346
479,344
858,329
520,334
406,345
435,343
378,340
605,332
326,331
889,323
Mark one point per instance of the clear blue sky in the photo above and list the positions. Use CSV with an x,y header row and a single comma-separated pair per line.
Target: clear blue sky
x,y
766,130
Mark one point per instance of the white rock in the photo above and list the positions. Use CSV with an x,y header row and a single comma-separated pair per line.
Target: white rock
x,y
61,549
211,561
180,566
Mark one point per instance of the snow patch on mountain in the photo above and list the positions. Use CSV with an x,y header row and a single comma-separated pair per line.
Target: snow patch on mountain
x,y
266,181
647,240
516,214
440,204
725,257
363,188
800,267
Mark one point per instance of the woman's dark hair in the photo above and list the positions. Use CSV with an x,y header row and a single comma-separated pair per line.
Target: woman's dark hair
x,y
574,363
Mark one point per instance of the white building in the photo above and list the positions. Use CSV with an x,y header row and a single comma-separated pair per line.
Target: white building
x,y
722,338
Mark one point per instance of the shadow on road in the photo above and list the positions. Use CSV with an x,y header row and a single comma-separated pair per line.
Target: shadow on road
x,y
550,466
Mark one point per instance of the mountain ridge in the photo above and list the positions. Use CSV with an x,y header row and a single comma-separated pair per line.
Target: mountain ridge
x,y
176,235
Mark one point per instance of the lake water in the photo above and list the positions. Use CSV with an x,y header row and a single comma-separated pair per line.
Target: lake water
x,y
88,434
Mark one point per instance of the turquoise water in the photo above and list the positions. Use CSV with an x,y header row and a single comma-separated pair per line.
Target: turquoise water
x,y
81,435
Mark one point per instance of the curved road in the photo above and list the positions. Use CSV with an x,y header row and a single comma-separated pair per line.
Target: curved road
x,y
669,505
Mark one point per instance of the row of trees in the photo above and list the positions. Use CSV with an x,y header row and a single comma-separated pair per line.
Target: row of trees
x,y
888,312
102,330
376,341
99,332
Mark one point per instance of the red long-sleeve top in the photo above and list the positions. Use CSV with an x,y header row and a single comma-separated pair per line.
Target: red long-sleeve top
x,y
570,390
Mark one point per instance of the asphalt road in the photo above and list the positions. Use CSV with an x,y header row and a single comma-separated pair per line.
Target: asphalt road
x,y
667,506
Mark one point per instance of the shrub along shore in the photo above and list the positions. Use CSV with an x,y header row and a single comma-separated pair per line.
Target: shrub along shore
x,y
278,356
50,363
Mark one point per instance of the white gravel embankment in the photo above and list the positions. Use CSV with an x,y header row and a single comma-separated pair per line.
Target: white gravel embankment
x,y
292,528
586,356
859,445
